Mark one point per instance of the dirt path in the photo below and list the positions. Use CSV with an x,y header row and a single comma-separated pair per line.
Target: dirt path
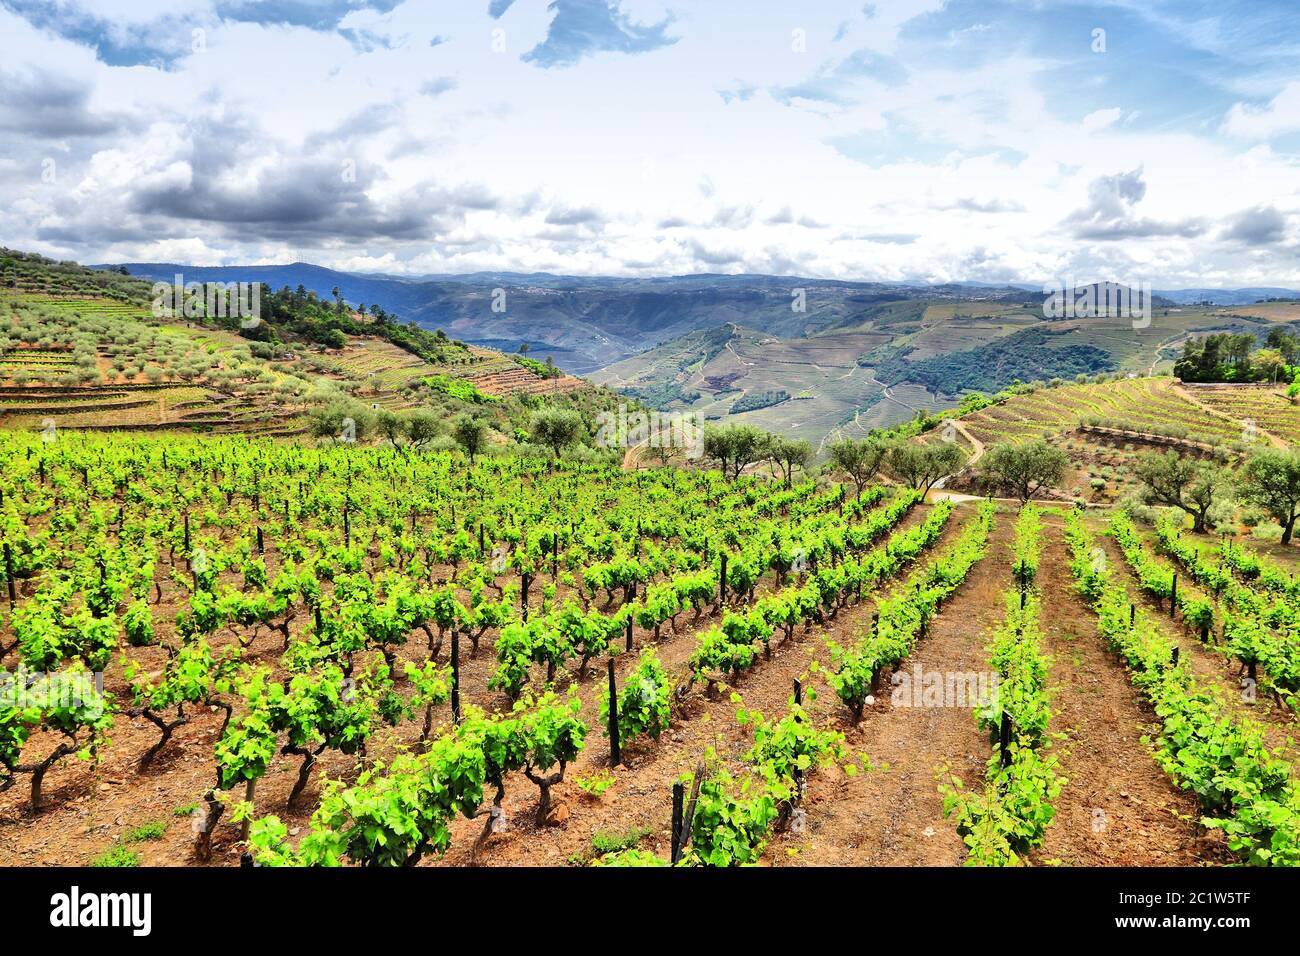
x,y
1190,396
641,798
1161,347
884,393
893,815
977,451
1118,808
1213,670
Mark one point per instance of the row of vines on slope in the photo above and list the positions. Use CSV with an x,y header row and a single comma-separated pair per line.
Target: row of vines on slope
x,y
1243,788
1009,815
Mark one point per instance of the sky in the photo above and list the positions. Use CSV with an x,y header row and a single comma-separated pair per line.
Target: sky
x,y
899,140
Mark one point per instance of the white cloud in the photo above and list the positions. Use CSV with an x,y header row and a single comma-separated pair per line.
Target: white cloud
x,y
1280,115
1101,119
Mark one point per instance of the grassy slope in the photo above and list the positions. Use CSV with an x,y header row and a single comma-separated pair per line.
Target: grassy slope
x,y
70,298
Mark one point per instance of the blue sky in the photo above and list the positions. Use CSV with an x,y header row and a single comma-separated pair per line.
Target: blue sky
x,y
907,140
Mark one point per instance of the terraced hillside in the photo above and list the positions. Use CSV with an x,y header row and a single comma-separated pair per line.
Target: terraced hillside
x,y
829,392
881,367
1266,406
1139,404
102,364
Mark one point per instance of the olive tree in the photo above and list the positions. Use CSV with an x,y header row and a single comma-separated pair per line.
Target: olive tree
x,y
920,466
735,447
470,433
860,459
1271,480
1025,469
789,454
1184,483
557,428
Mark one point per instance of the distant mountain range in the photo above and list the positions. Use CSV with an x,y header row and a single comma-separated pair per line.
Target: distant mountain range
x,y
589,323
1178,296
1228,296
810,357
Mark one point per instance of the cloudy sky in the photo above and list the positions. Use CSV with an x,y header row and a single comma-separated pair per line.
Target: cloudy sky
x,y
901,139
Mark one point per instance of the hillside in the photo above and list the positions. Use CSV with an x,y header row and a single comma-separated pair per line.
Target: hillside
x,y
1105,428
82,349
909,355
241,593
590,323
859,355
828,391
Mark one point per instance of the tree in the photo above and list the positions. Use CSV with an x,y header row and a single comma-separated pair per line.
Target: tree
x,y
860,459
1182,483
470,433
343,419
392,426
556,428
1284,341
789,454
1268,364
735,447
422,427
1025,469
920,466
1271,479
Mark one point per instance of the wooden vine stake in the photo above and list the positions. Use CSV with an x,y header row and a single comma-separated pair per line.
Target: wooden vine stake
x,y
628,635
684,812
679,793
1004,739
615,757
455,675
798,774
1173,594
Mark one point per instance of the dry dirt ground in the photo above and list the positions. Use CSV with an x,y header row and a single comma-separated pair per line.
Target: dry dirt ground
x,y
889,815
1117,808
